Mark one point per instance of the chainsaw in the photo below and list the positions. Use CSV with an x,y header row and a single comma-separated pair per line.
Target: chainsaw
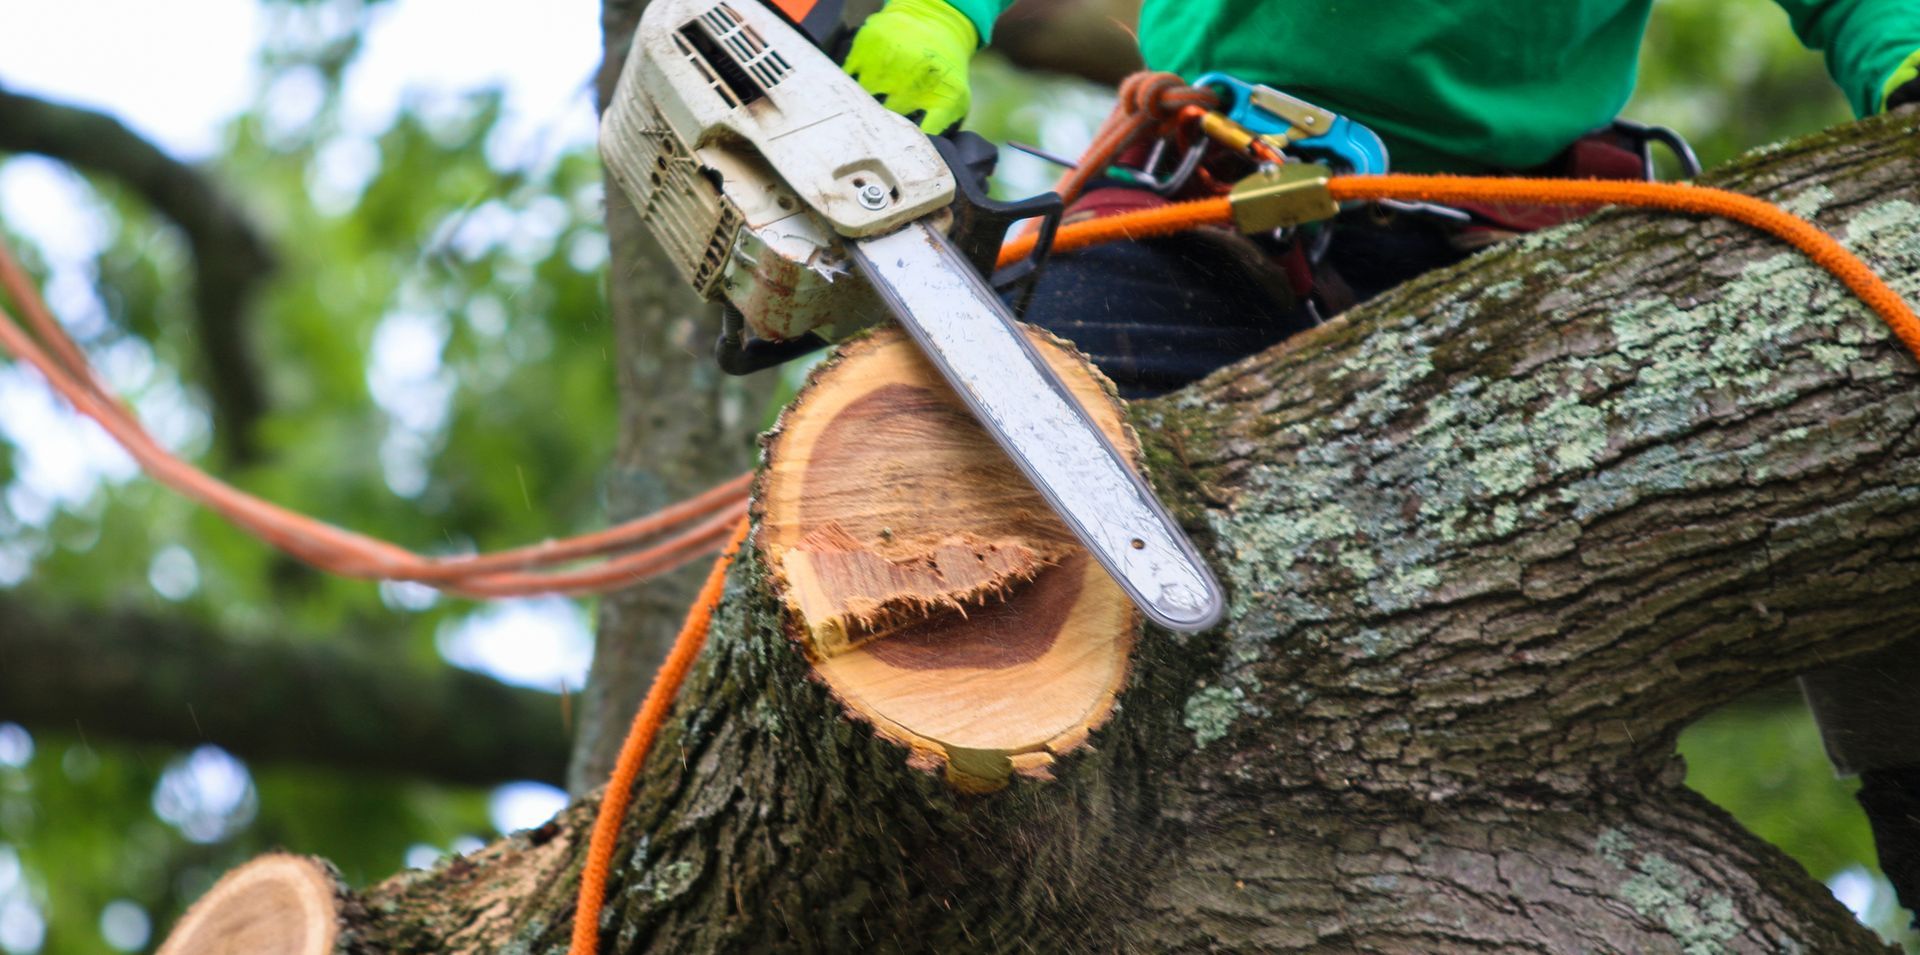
x,y
780,187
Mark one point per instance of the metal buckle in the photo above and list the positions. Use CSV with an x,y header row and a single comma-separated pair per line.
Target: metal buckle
x,y
1147,174
1644,136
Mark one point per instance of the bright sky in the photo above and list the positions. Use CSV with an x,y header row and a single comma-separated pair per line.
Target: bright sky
x,y
177,79
175,73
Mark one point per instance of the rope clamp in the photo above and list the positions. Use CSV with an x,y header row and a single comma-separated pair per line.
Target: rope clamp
x,y
1281,196
1277,120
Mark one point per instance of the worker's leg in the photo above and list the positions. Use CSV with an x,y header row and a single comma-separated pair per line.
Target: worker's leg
x,y
1158,314
1869,714
1155,315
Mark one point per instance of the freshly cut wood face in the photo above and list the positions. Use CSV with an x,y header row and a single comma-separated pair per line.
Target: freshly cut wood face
x,y
273,905
935,592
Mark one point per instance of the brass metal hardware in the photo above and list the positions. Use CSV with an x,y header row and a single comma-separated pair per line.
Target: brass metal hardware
x,y
1281,196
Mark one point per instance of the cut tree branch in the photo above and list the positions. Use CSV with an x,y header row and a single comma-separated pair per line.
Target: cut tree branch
x,y
149,679
231,258
1490,541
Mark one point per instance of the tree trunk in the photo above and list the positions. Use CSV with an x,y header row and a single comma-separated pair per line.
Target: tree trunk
x,y
174,681
684,427
1491,542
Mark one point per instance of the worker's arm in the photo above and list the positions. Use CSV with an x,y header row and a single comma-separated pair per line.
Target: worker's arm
x,y
913,54
1872,46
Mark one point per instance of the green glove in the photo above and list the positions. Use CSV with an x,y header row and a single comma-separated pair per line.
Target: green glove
x,y
913,55
1903,86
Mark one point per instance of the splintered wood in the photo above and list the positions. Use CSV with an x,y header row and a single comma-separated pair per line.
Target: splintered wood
x,y
935,592
274,905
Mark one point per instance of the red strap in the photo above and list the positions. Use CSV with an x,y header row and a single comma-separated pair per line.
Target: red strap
x,y
1594,156
796,10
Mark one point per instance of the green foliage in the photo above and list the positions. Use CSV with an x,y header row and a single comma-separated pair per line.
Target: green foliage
x,y
1730,75
498,269
498,272
81,818
1762,761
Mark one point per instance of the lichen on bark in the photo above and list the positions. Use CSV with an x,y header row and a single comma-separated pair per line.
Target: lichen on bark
x,y
1491,541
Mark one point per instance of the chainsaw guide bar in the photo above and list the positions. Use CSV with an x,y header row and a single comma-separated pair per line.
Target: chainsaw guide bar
x,y
971,337
766,171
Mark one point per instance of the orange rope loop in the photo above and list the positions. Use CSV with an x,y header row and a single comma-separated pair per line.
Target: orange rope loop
x,y
633,750
1148,101
644,547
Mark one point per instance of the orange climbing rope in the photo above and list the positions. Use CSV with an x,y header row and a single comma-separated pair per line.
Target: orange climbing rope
x,y
1147,103
1152,102
659,542
639,741
1822,248
1140,224
628,553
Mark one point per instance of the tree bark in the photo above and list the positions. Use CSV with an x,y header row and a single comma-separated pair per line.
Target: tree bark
x,y
1491,541
684,427
154,679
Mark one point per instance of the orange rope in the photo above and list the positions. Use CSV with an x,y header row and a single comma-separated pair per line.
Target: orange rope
x,y
1148,101
1158,101
1822,248
336,550
1139,224
634,749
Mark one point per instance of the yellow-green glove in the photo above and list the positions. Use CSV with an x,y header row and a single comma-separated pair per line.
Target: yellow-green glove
x,y
1903,86
913,56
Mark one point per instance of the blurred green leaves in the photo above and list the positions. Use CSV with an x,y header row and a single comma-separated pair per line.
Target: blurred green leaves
x,y
495,427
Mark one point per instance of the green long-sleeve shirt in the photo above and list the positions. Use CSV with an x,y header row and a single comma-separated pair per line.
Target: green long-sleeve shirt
x,y
1460,85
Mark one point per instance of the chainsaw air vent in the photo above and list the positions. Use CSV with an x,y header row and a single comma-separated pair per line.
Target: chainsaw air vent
x,y
683,208
733,59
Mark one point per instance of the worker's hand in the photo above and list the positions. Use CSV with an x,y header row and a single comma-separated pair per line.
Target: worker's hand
x,y
913,56
1903,87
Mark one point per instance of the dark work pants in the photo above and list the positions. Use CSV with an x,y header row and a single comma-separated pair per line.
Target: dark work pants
x,y
1158,314
1869,714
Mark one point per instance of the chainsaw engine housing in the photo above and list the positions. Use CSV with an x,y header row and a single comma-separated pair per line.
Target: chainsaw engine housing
x,y
750,154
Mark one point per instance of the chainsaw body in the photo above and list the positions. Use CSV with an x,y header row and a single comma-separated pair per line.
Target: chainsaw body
x,y
776,183
750,155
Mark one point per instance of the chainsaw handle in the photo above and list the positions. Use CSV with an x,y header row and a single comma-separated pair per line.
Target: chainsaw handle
x,y
981,222
738,353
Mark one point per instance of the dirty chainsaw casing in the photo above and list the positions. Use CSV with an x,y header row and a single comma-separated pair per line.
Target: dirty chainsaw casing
x,y
706,102
779,185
